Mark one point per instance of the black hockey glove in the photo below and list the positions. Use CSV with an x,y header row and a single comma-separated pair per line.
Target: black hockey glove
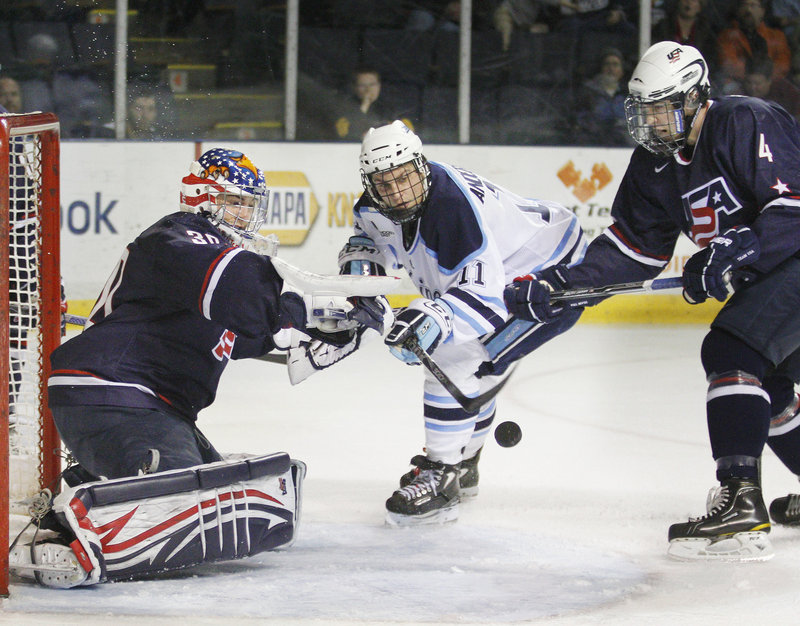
x,y
528,297
706,273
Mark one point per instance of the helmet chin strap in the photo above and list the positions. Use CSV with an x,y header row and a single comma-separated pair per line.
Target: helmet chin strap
x,y
696,123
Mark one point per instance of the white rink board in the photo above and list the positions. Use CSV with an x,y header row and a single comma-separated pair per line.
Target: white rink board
x,y
111,191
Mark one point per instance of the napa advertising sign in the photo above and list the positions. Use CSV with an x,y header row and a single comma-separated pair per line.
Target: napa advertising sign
x,y
112,191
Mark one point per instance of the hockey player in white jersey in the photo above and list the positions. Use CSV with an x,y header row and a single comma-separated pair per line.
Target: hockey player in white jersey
x,y
461,239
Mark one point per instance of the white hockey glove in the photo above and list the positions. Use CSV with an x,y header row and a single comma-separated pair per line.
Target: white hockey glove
x,y
430,321
361,257
325,349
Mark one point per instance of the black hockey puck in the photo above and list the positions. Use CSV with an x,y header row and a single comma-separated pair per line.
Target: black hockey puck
x,y
508,434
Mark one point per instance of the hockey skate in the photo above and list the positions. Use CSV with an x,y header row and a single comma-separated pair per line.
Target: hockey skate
x,y
786,510
734,528
50,563
468,476
431,497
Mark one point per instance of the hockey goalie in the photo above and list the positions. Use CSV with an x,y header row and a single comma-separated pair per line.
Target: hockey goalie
x,y
199,287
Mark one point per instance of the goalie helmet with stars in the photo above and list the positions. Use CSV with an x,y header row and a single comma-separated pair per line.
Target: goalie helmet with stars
x,y
225,186
394,172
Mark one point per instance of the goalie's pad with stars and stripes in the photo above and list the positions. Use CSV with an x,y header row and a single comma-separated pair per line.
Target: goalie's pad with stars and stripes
x,y
130,527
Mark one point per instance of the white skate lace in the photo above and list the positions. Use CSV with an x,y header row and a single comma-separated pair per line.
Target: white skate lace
x,y
716,499
426,480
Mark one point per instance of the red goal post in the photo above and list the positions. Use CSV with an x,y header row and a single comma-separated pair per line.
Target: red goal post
x,y
30,306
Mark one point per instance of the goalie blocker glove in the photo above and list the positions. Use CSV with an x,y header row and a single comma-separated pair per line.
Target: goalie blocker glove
x,y
707,273
430,321
528,297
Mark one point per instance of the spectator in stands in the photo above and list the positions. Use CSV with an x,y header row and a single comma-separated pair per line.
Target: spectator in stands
x,y
143,120
524,15
610,16
786,15
759,82
364,108
749,36
600,103
687,24
10,95
441,15
82,105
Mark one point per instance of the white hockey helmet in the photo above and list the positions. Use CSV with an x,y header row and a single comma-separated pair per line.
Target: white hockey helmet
x,y
668,85
385,151
225,186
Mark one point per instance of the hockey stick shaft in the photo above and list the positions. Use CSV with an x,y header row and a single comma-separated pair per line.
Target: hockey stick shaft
x,y
471,405
575,298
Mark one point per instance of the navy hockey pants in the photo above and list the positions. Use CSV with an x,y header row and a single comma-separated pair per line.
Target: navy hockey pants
x,y
115,441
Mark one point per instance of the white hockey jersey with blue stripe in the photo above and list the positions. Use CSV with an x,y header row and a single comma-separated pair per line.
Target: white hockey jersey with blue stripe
x,y
474,237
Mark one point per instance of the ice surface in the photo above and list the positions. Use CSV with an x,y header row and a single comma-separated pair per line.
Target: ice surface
x,y
569,528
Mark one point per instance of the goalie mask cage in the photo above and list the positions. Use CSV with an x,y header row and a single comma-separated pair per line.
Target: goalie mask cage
x,y
31,316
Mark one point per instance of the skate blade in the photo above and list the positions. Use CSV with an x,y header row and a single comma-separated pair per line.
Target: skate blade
x,y
468,492
742,547
56,565
440,516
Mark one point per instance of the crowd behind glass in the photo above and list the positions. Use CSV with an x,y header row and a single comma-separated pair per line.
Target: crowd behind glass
x,y
543,72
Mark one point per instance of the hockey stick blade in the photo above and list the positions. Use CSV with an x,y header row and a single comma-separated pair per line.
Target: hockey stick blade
x,y
337,284
470,405
576,298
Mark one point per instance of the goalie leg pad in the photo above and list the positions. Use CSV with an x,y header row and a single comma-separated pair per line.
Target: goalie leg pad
x,y
226,510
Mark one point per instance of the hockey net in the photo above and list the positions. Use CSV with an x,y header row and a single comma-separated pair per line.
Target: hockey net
x,y
30,306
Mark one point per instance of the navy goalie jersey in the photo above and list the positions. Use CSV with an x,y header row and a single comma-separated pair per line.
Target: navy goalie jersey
x,y
180,302
744,170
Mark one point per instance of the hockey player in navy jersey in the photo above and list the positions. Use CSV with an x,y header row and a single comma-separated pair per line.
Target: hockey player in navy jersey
x,y
193,291
461,239
725,172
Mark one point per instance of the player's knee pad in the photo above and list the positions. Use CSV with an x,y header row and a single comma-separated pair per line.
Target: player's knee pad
x,y
170,520
722,352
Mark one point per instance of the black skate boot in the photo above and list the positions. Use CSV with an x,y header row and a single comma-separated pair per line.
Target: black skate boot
x,y
431,497
786,510
734,528
468,476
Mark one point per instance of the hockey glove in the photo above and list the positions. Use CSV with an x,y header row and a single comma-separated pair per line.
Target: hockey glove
x,y
706,272
359,256
326,349
528,297
430,321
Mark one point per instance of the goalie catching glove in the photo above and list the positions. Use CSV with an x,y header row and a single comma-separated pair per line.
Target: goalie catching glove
x,y
528,297
429,321
706,273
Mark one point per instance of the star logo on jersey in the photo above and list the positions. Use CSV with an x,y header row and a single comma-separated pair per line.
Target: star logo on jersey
x,y
703,207
780,187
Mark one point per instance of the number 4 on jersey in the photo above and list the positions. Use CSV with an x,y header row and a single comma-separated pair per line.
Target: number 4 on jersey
x,y
763,149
